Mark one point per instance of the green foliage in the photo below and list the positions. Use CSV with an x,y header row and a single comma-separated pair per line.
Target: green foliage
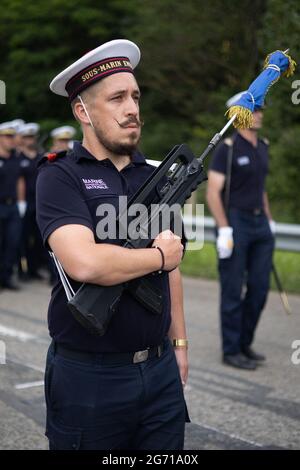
x,y
284,177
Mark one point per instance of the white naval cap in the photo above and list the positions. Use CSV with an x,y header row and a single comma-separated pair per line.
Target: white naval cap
x,y
63,132
29,129
17,123
7,128
235,98
119,55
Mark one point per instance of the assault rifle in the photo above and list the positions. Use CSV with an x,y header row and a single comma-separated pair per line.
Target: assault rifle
x,y
93,305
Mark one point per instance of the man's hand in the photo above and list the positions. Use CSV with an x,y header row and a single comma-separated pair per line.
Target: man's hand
x,y
272,225
225,242
172,248
182,362
22,206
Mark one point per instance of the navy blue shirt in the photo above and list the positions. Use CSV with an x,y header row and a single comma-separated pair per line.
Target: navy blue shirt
x,y
9,174
29,171
69,190
249,171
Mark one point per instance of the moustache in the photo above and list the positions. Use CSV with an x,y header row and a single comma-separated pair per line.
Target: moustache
x,y
131,120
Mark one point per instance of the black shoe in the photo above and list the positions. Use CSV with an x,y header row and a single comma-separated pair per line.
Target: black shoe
x,y
10,285
254,356
239,361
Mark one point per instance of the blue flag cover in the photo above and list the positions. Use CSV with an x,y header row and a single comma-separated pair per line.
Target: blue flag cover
x,y
276,64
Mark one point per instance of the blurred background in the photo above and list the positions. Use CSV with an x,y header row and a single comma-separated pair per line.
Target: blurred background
x,y
195,55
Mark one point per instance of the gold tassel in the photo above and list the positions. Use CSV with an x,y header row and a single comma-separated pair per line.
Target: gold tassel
x,y
244,117
291,68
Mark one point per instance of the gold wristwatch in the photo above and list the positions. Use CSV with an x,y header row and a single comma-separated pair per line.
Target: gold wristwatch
x,y
177,342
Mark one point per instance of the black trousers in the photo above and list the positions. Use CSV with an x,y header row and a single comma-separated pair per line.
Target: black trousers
x,y
91,406
250,266
32,245
10,234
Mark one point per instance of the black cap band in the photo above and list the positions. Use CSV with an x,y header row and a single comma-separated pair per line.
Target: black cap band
x,y
95,72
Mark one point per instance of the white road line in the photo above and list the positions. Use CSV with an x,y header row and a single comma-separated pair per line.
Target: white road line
x,y
20,335
38,383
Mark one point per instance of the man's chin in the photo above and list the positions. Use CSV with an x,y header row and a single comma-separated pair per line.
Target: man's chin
x,y
124,148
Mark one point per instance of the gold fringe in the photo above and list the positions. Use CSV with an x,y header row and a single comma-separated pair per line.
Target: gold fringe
x,y
291,68
244,117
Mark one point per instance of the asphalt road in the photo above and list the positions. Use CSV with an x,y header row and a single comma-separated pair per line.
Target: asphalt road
x,y
229,408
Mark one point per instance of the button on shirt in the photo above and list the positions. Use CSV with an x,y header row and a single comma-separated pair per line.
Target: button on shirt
x,y
249,171
69,191
9,174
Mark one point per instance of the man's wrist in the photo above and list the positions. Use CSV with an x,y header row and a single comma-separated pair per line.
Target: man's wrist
x,y
162,257
226,230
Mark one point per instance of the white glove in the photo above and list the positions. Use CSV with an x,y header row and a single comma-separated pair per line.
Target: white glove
x,y
272,225
225,242
22,206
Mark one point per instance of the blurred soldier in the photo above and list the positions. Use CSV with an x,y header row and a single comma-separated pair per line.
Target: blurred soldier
x,y
17,123
238,201
62,138
12,205
32,250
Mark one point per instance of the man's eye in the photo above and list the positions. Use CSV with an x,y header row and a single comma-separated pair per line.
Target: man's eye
x,y
115,98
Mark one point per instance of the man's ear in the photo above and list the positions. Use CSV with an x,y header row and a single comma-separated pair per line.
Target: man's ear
x,y
79,112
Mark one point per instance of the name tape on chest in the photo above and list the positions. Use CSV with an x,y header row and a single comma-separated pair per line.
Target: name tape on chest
x,y
244,160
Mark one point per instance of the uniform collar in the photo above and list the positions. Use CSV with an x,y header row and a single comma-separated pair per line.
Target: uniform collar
x,y
81,153
247,141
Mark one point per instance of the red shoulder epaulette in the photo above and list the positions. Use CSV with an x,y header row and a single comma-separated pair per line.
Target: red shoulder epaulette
x,y
52,156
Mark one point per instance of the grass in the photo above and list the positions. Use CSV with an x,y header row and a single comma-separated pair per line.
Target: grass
x,y
203,263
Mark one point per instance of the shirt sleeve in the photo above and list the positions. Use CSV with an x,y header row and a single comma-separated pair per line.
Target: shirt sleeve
x,y
219,160
59,202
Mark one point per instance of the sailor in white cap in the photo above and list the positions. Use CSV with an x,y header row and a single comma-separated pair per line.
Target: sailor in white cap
x,y
238,200
17,123
136,394
7,137
12,205
28,138
61,138
32,251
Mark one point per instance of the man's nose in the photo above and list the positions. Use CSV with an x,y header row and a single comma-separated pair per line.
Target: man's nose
x,y
132,107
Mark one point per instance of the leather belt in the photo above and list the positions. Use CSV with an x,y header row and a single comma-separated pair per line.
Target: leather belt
x,y
256,211
110,358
